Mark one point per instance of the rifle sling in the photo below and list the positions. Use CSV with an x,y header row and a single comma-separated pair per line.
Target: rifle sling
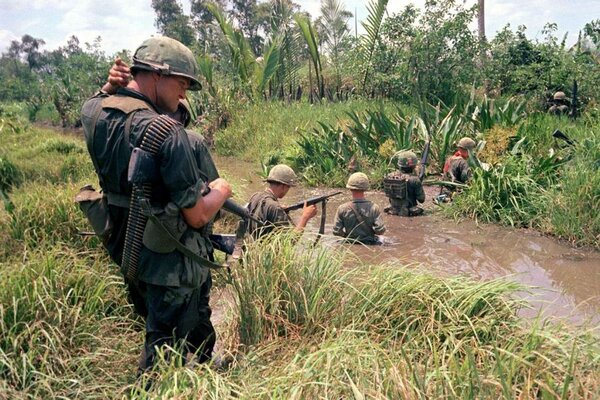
x,y
147,210
361,219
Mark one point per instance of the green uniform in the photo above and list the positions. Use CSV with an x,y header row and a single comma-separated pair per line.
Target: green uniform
x,y
265,207
171,291
404,191
457,170
362,227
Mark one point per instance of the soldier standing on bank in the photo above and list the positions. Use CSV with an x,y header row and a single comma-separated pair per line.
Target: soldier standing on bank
x,y
403,188
265,207
359,220
169,289
561,104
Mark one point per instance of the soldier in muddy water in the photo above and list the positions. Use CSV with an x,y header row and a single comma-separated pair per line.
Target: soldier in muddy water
x,y
265,205
403,188
359,220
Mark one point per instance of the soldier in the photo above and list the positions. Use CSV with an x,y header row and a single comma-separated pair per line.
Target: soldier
x,y
403,188
359,220
561,104
170,289
265,206
456,168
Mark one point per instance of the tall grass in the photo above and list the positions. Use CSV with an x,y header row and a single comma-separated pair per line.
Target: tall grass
x,y
265,128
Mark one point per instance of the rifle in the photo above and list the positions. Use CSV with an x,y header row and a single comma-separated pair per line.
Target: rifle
x,y
424,158
223,242
560,135
573,113
309,202
229,204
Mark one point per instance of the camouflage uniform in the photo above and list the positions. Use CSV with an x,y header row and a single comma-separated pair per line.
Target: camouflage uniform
x,y
265,207
364,229
404,191
171,290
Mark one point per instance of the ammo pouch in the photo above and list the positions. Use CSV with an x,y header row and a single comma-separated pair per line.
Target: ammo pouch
x,y
95,207
171,220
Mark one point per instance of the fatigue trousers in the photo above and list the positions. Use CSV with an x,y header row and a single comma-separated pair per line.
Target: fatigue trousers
x,y
175,316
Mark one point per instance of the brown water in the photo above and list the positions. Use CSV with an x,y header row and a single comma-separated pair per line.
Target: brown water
x,y
565,282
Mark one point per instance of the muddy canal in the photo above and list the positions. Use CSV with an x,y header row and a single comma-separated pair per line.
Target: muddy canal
x,y
565,282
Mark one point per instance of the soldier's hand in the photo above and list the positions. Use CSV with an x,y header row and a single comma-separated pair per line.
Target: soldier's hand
x,y
309,211
221,185
119,74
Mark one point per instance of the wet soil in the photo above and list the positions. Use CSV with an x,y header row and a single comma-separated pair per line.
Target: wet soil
x,y
563,282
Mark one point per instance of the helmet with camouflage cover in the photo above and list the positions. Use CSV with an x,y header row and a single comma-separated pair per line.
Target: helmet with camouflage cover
x,y
358,181
167,56
466,143
281,173
560,96
407,159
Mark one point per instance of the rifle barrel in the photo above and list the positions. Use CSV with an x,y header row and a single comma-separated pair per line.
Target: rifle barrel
x,y
309,202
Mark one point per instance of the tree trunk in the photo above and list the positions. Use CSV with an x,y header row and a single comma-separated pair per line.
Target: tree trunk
x,y
481,19
482,42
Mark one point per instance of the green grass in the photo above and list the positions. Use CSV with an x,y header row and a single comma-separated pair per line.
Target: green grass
x,y
265,128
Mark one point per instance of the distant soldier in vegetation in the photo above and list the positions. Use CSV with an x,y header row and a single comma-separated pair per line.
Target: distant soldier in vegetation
x,y
264,206
456,168
403,188
169,289
560,104
359,220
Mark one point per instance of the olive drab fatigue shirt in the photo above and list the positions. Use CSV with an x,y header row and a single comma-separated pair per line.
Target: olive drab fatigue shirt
x,y
348,225
458,169
180,182
265,207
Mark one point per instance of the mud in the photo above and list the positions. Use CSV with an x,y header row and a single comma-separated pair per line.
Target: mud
x,y
563,282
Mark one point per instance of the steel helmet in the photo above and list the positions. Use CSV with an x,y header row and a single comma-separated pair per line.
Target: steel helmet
x,y
560,96
466,143
358,181
407,159
167,57
281,173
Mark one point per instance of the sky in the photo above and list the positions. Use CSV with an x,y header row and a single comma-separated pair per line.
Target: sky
x,y
124,24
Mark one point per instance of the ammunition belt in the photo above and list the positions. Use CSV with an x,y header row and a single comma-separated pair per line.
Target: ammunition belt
x,y
154,137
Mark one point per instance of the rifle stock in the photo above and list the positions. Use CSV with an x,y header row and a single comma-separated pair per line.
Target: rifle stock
x,y
309,202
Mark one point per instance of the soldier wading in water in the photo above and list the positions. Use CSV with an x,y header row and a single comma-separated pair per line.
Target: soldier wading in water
x,y
403,188
265,207
359,220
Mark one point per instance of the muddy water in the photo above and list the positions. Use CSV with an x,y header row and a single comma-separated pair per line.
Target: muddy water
x,y
565,282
